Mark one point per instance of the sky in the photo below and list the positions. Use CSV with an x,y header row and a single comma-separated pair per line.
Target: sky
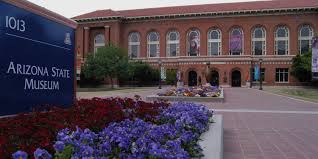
x,y
72,8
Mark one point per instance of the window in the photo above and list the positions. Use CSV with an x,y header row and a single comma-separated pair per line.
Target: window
x,y
282,41
306,34
99,41
173,40
259,41
193,43
236,42
214,42
153,44
134,45
262,74
282,75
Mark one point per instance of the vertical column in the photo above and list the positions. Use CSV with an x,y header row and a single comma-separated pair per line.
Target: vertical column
x,y
107,35
86,41
270,40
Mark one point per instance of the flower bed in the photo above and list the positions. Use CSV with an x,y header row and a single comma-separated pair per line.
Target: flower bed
x,y
159,132
28,132
201,91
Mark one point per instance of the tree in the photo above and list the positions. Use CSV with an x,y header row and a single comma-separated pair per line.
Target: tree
x,y
301,67
109,61
171,76
140,72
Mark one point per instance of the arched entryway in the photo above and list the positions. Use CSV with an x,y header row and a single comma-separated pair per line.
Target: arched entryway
x,y
236,78
192,78
214,78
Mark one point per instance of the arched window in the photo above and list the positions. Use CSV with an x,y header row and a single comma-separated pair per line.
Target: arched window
x,y
173,40
99,41
134,45
305,36
214,42
153,44
236,42
282,41
259,41
193,42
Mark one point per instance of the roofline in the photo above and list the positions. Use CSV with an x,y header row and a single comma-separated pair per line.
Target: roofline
x,y
200,14
31,7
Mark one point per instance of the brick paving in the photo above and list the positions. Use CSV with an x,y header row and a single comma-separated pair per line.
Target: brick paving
x,y
259,125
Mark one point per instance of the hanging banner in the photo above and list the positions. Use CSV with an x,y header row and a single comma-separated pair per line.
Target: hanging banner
x,y
256,73
314,68
194,44
236,43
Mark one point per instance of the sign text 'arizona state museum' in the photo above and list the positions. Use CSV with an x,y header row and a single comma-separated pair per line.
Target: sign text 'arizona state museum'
x,y
36,60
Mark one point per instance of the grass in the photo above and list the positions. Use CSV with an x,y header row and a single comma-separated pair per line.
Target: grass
x,y
304,93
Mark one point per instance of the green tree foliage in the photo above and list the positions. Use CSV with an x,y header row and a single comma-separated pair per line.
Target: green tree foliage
x,y
140,73
301,67
109,61
171,78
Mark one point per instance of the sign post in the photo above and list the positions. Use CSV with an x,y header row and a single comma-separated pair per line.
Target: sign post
x,y
36,60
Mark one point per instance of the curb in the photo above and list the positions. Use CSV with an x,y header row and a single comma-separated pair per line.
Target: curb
x,y
212,140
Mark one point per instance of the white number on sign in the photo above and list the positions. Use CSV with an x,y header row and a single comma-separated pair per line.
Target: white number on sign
x,y
15,24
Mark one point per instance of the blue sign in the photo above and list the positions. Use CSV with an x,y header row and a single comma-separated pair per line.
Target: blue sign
x,y
36,61
256,73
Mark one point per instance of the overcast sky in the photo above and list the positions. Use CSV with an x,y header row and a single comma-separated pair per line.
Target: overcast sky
x,y
71,8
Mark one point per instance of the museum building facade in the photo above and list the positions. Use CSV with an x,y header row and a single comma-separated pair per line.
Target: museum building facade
x,y
230,39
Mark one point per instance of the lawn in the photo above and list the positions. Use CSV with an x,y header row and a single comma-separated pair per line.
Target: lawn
x,y
304,93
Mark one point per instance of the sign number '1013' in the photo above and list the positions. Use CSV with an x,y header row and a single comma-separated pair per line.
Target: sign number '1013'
x,y
15,24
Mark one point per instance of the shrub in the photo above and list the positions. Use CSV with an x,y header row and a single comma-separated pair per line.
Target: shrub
x,y
301,67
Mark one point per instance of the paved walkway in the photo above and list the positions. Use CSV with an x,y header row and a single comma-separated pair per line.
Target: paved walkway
x,y
260,125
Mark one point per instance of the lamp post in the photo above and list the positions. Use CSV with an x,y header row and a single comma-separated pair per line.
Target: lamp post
x,y
159,63
251,75
260,75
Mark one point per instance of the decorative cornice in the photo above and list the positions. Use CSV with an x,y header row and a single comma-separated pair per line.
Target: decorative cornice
x,y
204,15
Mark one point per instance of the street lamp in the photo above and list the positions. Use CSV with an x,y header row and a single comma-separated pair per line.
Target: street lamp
x,y
251,75
160,63
260,74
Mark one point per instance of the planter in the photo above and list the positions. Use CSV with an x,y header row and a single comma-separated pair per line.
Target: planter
x,y
212,140
187,99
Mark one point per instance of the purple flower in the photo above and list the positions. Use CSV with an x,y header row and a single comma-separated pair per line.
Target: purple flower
x,y
20,155
41,154
59,146
87,151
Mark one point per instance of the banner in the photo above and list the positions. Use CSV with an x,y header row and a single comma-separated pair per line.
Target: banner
x,y
236,43
194,44
314,65
256,73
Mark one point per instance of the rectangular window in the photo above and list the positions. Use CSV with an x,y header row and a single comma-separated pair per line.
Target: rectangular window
x,y
258,50
282,75
262,74
214,50
305,46
281,47
173,50
134,51
153,50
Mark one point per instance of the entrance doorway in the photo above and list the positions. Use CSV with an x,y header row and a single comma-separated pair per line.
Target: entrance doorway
x,y
214,78
236,78
192,78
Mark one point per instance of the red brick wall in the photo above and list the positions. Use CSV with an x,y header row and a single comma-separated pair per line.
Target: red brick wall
x,y
121,30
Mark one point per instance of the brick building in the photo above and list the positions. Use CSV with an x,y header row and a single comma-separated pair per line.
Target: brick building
x,y
229,39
